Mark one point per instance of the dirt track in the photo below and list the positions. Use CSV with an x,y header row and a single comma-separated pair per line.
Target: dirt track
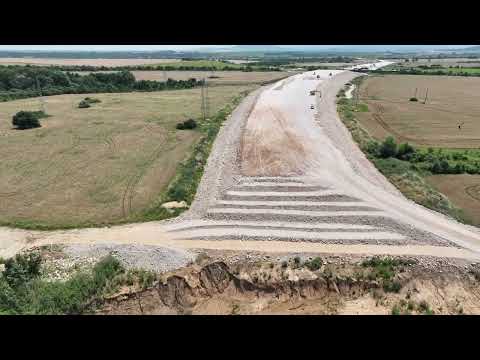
x,y
297,179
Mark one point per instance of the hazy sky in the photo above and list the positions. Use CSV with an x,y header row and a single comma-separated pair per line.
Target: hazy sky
x,y
194,47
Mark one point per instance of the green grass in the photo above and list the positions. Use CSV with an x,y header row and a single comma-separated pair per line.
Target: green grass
x,y
314,264
385,269
74,296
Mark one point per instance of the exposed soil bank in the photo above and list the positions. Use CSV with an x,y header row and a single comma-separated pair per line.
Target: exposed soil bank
x,y
335,287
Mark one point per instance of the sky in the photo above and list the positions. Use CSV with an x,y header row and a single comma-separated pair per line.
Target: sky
x,y
199,47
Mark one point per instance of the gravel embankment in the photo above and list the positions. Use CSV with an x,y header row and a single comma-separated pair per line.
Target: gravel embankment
x,y
154,258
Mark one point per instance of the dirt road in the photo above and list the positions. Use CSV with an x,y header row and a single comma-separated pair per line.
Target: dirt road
x,y
285,175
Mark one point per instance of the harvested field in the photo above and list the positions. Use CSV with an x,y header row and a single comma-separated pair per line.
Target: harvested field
x,y
467,62
451,101
96,165
462,190
87,62
222,77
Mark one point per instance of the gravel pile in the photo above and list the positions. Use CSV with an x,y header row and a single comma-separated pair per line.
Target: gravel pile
x,y
154,258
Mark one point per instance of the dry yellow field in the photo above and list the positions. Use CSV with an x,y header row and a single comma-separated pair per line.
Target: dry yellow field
x,y
221,77
79,62
100,164
462,190
451,101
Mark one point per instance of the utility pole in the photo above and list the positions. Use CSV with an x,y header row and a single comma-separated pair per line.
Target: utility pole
x,y
426,95
415,93
165,76
39,89
202,105
357,94
207,113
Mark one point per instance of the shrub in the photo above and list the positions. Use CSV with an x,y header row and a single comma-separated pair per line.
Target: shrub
x,y
21,269
27,120
396,310
314,264
187,125
392,286
90,100
84,104
33,295
373,148
413,99
388,148
405,152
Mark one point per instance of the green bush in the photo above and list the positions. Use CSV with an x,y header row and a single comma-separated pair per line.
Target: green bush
x,y
405,152
91,100
187,125
84,104
314,264
373,148
388,148
21,269
392,286
26,120
32,295
413,99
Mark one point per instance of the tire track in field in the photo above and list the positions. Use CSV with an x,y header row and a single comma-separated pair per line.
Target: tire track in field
x,y
473,191
129,191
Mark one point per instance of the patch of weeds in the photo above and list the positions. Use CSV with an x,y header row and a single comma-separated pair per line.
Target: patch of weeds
x,y
385,268
392,286
314,264
32,295
296,261
396,310
424,308
235,309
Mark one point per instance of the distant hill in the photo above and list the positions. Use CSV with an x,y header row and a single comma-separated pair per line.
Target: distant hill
x,y
470,49
257,48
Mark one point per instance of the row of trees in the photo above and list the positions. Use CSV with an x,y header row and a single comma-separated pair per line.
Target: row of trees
x,y
416,71
24,82
437,162
154,68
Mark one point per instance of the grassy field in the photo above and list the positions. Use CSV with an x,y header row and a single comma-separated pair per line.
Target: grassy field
x,y
90,62
462,190
104,164
452,101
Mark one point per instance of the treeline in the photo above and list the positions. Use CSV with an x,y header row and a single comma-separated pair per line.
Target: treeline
x,y
416,71
91,68
436,161
24,82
